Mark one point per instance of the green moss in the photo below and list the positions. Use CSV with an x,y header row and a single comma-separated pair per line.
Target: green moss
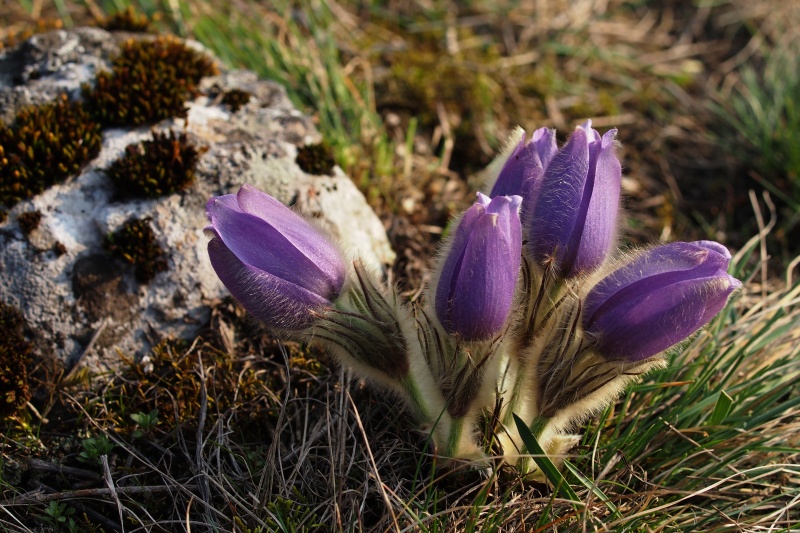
x,y
45,144
135,243
150,81
128,20
15,351
316,159
29,221
164,165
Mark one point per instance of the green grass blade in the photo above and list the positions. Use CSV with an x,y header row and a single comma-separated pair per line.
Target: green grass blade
x,y
721,409
589,484
548,468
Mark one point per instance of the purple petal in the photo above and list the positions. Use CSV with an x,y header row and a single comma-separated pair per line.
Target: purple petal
x,y
260,245
483,294
477,283
658,299
294,228
560,196
455,255
544,139
645,325
520,174
512,175
595,228
274,301
652,270
716,248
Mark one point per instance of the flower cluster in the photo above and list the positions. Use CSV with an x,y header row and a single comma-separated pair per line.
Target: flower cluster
x,y
530,307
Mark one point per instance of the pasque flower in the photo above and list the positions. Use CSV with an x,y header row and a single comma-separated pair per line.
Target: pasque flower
x,y
279,267
523,170
575,214
658,299
479,275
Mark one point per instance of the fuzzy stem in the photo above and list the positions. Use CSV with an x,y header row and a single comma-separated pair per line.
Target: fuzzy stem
x,y
422,410
537,427
454,437
553,288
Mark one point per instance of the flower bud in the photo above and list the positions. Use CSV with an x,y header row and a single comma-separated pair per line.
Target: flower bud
x,y
658,299
479,276
280,268
523,170
575,215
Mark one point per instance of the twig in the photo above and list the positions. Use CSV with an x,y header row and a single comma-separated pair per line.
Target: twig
x,y
86,350
201,423
44,466
111,488
188,521
90,493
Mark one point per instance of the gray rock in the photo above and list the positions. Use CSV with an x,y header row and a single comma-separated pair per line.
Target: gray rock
x,y
69,298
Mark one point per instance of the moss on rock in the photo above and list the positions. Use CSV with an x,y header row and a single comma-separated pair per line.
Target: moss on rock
x,y
236,99
164,165
29,221
128,20
44,146
150,81
316,159
135,243
15,351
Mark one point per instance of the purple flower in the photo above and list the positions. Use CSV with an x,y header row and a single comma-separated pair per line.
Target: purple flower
x,y
574,220
658,299
274,263
477,283
523,170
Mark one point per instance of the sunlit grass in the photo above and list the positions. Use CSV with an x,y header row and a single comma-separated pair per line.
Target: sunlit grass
x,y
763,117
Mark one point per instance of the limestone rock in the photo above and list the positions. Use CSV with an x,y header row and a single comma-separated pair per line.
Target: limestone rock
x,y
59,275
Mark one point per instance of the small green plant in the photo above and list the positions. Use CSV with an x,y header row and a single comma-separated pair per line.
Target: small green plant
x,y
145,422
236,98
60,515
285,513
94,448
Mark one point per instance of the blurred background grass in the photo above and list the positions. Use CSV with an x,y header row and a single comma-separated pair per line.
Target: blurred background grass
x,y
415,97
